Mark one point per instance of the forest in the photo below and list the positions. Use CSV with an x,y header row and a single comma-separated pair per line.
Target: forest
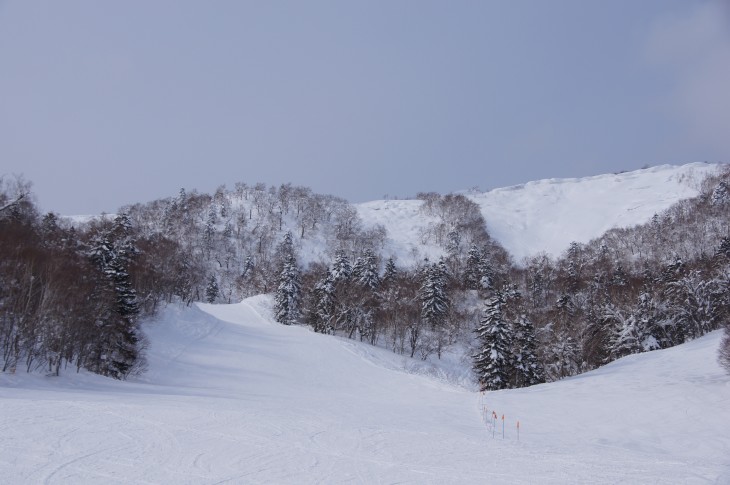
x,y
74,294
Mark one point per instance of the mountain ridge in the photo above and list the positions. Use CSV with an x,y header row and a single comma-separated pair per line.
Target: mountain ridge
x,y
547,215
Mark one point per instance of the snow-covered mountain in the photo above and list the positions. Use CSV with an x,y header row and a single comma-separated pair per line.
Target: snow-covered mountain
x,y
528,219
232,397
547,215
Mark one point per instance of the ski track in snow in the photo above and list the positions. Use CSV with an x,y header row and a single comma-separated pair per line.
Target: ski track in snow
x,y
231,397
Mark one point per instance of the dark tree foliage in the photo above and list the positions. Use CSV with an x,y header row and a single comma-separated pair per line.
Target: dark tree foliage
x,y
390,273
341,268
322,316
112,252
212,290
493,361
472,272
288,292
434,299
527,368
721,195
68,296
365,270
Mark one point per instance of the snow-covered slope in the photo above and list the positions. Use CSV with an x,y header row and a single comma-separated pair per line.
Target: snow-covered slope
x,y
232,398
547,215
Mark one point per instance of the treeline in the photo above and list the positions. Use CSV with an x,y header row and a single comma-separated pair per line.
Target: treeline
x,y
632,290
636,289
226,243
73,294
66,296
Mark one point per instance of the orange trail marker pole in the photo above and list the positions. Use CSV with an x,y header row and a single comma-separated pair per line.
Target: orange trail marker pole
x,y
503,426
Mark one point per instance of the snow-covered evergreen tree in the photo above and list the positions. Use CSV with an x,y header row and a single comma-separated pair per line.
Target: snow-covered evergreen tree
x,y
211,290
390,272
648,321
365,270
575,263
561,357
118,354
453,244
435,302
209,233
288,292
724,248
487,280
625,339
694,303
673,271
322,318
341,268
721,195
491,363
442,273
472,272
478,272
619,277
527,367
248,265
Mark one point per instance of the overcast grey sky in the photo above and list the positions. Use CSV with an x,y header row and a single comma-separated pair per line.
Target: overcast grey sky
x,y
104,103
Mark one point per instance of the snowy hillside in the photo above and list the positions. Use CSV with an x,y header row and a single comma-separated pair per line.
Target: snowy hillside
x,y
548,215
231,397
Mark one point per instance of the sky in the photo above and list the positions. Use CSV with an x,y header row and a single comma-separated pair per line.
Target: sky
x,y
109,103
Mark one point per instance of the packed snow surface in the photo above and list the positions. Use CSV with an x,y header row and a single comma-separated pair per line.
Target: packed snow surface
x,y
547,215
231,397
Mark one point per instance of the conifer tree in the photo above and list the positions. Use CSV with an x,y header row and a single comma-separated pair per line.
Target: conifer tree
x,y
625,339
209,233
695,304
357,268
527,367
724,249
434,301
341,268
648,319
487,279
288,292
472,272
721,195
248,265
574,258
365,270
619,277
492,361
211,291
322,317
390,272
562,357
118,354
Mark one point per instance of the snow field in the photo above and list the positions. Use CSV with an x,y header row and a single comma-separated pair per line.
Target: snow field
x,y
231,397
547,215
